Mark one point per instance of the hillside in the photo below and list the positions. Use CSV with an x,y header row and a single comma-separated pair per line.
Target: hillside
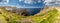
x,y
47,15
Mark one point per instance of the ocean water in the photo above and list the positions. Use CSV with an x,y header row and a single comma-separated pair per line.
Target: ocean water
x,y
33,11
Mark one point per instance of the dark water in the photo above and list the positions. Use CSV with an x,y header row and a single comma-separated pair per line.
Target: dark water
x,y
33,11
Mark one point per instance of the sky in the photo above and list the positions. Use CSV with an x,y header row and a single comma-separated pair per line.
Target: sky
x,y
31,3
24,3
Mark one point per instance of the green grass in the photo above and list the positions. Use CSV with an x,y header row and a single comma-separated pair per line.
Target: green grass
x,y
48,17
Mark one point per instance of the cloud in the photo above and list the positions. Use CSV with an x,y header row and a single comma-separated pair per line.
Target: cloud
x,y
39,1
58,0
32,1
21,0
48,0
7,0
28,1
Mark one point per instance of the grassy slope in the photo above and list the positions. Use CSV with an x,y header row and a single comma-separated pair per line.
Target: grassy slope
x,y
47,17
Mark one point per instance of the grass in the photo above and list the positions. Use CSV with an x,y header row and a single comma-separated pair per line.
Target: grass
x,y
48,17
